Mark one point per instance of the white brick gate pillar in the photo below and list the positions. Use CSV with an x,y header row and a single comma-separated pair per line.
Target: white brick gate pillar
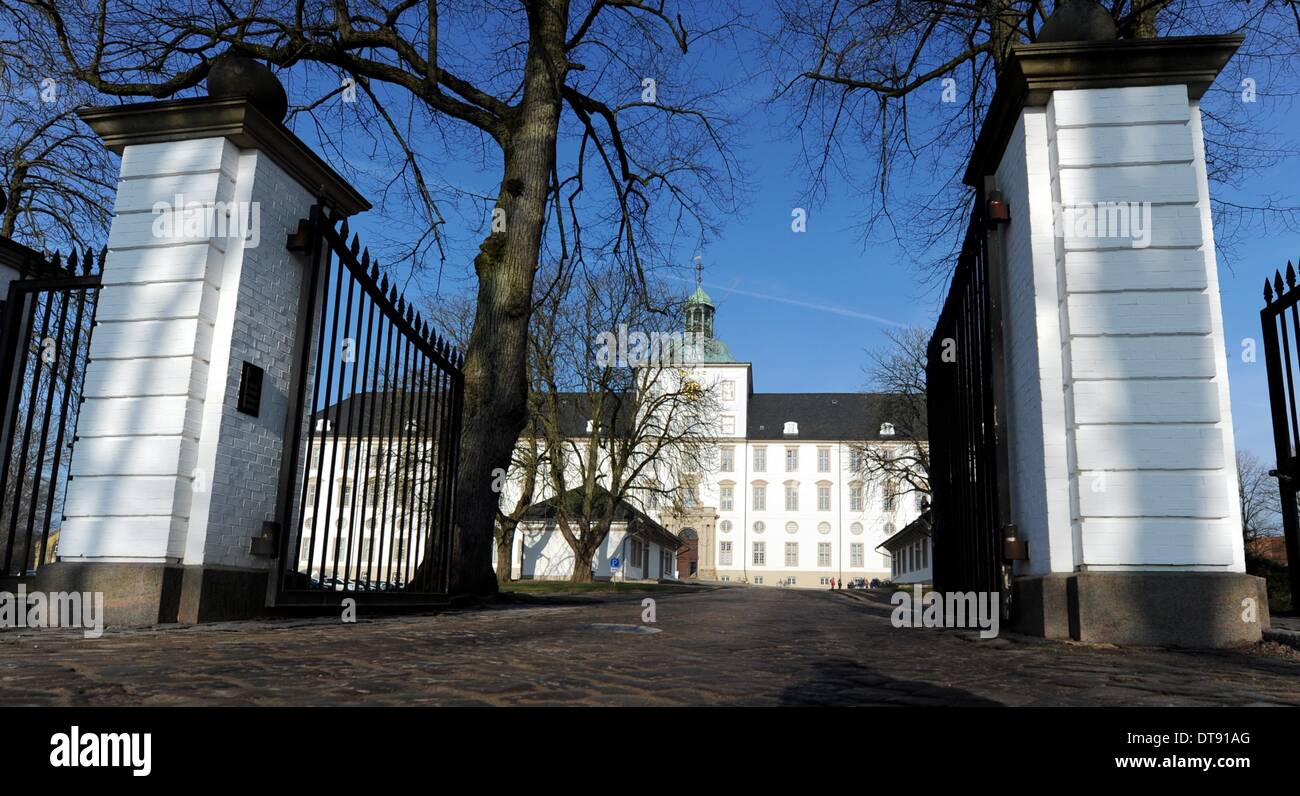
x,y
1122,472
170,481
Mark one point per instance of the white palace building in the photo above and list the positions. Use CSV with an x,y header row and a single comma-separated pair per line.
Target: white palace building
x,y
787,504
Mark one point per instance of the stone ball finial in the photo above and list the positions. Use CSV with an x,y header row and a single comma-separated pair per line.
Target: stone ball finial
x,y
236,76
1078,20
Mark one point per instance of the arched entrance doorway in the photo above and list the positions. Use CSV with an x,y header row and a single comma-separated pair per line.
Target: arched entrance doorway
x,y
688,555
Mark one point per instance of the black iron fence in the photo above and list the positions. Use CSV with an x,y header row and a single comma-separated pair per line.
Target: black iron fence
x,y
965,475
45,327
1281,352
366,493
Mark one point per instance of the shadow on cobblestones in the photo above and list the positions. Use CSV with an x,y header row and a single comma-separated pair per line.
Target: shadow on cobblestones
x,y
842,682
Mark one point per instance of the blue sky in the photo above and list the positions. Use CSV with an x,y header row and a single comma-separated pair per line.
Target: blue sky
x,y
803,307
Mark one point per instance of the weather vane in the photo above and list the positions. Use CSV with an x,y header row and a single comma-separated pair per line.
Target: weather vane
x,y
699,271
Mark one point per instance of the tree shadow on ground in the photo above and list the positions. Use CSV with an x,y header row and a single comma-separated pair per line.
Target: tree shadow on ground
x,y
844,682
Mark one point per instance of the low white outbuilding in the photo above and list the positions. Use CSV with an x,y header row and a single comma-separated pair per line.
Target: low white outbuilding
x,y
636,548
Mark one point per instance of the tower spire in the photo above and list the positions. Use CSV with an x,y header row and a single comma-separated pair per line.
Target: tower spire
x,y
699,271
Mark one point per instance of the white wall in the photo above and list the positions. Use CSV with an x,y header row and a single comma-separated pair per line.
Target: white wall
x,y
165,469
1116,369
547,556
134,465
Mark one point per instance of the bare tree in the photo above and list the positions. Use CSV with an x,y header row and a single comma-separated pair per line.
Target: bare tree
x,y
1260,504
57,176
883,93
541,90
650,426
896,371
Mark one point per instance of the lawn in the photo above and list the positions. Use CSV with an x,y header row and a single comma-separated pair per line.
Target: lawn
x,y
599,587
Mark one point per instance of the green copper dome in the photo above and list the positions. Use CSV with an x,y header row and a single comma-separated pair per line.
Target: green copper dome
x,y
700,349
699,344
700,297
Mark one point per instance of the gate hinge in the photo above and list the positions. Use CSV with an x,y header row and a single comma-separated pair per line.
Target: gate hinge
x,y
1013,547
1279,475
266,544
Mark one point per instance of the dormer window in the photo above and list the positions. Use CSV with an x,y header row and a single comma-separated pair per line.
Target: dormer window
x,y
886,429
791,428
323,425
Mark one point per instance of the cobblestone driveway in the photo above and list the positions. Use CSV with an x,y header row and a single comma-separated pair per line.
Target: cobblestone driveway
x,y
721,647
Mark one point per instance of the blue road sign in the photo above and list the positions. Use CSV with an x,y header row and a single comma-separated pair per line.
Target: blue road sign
x,y
613,563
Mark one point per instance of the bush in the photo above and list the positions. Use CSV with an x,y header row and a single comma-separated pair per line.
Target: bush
x,y
1279,584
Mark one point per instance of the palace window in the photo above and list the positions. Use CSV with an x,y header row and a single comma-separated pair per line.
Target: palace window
x,y
791,496
760,554
823,460
823,497
855,497
760,460
791,460
855,554
758,580
726,497
728,425
760,497
823,554
727,458
792,554
724,553
889,500
855,459
728,390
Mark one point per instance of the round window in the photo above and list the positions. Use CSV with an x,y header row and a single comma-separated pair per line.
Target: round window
x,y
792,527
759,527
725,526
855,528
824,527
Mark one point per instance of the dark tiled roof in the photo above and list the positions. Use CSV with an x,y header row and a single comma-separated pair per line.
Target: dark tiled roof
x,y
824,416
829,415
379,413
575,411
639,522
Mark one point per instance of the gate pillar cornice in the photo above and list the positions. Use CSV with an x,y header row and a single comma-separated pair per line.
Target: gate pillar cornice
x,y
173,475
1122,468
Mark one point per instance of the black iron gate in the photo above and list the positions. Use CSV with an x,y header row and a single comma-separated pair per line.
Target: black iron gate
x,y
45,328
366,492
1281,351
966,478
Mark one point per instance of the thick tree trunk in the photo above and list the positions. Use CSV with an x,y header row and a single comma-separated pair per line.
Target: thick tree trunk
x,y
505,549
582,566
496,374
